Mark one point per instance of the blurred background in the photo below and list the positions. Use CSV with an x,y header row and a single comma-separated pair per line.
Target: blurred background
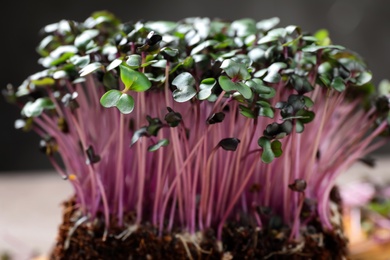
x,y
362,26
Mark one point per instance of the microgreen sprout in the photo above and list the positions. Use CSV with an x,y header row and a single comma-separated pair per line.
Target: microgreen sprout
x,y
190,124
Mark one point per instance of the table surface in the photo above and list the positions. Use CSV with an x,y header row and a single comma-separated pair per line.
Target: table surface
x,y
30,207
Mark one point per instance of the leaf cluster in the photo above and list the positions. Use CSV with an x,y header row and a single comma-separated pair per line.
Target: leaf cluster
x,y
247,61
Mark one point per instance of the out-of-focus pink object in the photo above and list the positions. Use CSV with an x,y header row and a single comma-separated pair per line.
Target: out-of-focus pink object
x,y
357,193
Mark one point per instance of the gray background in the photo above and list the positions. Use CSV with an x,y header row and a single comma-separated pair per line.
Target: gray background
x,y
360,25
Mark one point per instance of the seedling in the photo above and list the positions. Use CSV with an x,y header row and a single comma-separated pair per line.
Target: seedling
x,y
191,125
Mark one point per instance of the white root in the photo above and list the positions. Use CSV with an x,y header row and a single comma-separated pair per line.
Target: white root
x,y
185,246
73,229
289,251
127,232
194,239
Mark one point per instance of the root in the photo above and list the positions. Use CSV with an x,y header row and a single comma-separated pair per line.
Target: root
x,y
127,232
185,246
289,251
194,239
73,229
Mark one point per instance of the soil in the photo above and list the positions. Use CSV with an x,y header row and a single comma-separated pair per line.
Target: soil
x,y
239,242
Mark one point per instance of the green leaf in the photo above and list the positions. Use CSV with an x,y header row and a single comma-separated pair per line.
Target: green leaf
x,y
158,145
35,108
106,17
134,61
154,125
364,78
259,87
384,87
137,135
224,55
322,37
125,104
309,38
229,86
315,48
267,155
85,37
110,98
61,59
60,74
273,75
115,63
169,53
292,42
267,39
45,45
274,35
134,80
160,64
161,27
305,116
278,131
293,28
250,40
235,69
60,55
324,80
173,118
110,81
242,59
280,32
185,83
325,67
266,111
382,208
338,84
188,63
90,68
256,54
299,126
276,147
267,24
206,87
308,102
203,46
44,82
151,62
301,84
247,112
243,27
80,61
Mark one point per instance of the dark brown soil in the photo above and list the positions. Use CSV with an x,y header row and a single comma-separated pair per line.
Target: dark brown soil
x,y
239,242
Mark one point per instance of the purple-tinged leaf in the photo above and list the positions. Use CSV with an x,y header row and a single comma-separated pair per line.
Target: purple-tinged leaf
x,y
299,185
215,118
229,144
91,156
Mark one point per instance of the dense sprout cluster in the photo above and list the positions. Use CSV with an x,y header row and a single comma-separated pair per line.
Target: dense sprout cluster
x,y
191,123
